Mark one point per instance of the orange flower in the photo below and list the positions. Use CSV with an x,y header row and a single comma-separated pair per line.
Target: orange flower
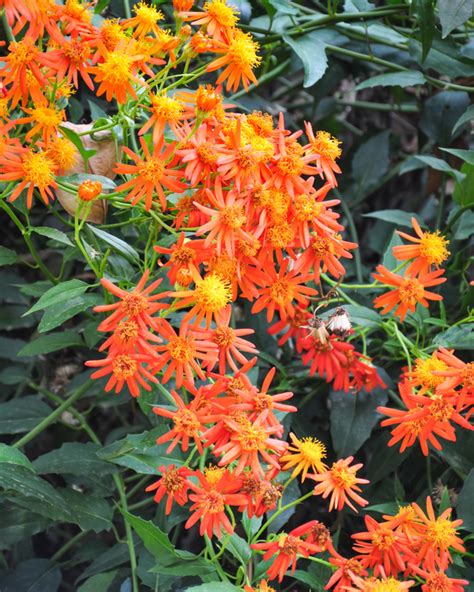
x,y
342,578
239,58
173,483
304,455
188,423
327,149
216,489
428,249
456,374
116,72
280,291
138,305
439,537
184,261
124,369
438,581
165,111
71,59
145,20
382,549
33,170
409,291
182,352
382,584
218,18
199,155
150,174
262,587
341,483
210,297
45,122
323,254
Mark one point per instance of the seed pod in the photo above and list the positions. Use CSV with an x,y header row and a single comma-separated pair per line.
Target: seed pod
x,y
339,322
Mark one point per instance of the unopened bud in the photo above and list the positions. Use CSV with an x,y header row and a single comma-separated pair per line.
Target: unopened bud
x,y
89,190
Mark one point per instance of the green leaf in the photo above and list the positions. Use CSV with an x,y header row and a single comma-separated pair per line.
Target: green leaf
x,y
17,524
239,548
408,78
283,6
459,454
58,314
199,566
7,256
464,190
32,575
213,587
426,20
441,112
466,155
453,13
464,118
116,243
54,234
465,507
461,337
98,582
363,316
22,414
396,217
73,458
439,165
63,292
13,456
353,418
51,343
10,347
311,50
78,178
388,260
113,557
155,540
370,162
89,512
76,140
357,6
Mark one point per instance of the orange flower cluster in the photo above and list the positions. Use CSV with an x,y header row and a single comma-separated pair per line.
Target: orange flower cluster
x,y
438,396
414,543
426,253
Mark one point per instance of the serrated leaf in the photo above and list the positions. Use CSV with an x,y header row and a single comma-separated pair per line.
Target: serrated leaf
x,y
54,234
453,13
47,344
89,512
408,78
22,414
116,243
311,50
388,260
353,418
58,314
73,458
155,540
63,292
7,256
397,217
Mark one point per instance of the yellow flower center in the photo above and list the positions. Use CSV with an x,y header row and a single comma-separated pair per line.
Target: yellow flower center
x,y
388,585
282,292
38,169
313,451
47,116
152,170
181,349
186,422
212,502
288,544
75,10
322,246
383,539
172,481
76,51
223,266
441,533
134,304
438,582
306,208
262,123
167,108
281,235
117,68
225,15
22,53
423,372
111,33
233,217
251,437
327,145
341,477
433,248
127,331
124,367
63,153
213,293
213,474
411,291
183,255
243,51
224,336
290,165
207,153
147,15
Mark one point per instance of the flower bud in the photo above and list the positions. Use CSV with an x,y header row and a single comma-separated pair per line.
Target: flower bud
x,y
182,5
89,190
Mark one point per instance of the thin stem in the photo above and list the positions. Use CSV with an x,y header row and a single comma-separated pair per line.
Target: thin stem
x,y
70,543
128,530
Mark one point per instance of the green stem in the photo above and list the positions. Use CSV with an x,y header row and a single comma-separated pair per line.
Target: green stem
x,y
70,543
47,421
128,531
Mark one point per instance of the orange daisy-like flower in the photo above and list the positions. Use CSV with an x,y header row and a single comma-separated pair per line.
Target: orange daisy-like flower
x,y
128,337
126,369
44,120
174,484
150,174
185,258
456,374
263,586
145,20
33,170
216,489
248,441
227,220
428,249
138,305
71,59
323,254
164,111
438,581
341,483
281,290
346,570
382,584
382,549
439,537
328,151
408,292
287,548
182,352
199,155
210,297
218,18
239,59
188,423
116,73
304,455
